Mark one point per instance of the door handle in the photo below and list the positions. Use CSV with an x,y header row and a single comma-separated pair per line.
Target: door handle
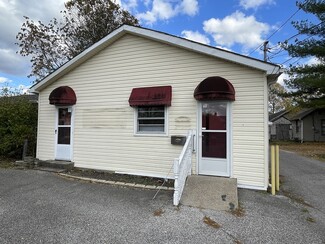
x,y
55,131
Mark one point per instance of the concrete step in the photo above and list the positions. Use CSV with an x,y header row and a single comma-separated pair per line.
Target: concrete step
x,y
54,170
56,164
210,192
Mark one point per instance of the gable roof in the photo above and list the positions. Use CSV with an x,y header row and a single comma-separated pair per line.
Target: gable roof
x,y
272,70
302,113
276,116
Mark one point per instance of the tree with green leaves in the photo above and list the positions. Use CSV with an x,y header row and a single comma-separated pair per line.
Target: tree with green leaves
x,y
84,22
307,82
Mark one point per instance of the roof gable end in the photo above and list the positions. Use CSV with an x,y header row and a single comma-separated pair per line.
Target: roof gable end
x,y
272,71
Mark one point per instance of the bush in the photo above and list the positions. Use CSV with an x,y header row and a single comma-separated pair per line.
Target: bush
x,y
18,121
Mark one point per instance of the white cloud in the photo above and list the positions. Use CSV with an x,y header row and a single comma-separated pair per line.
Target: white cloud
x,y
224,48
189,7
127,4
247,4
11,19
313,61
5,80
281,78
20,89
131,4
23,89
147,2
167,9
195,36
236,29
12,63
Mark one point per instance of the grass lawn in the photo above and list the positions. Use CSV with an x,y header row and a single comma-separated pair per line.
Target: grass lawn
x,y
314,150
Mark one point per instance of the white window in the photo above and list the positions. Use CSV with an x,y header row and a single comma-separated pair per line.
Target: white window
x,y
151,120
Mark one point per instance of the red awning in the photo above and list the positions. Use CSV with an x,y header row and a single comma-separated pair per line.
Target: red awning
x,y
147,96
63,95
214,88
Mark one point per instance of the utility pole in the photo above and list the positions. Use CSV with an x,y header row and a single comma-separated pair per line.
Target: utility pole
x,y
265,49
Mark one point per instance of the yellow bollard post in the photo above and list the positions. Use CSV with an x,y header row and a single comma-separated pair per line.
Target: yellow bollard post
x,y
277,168
273,169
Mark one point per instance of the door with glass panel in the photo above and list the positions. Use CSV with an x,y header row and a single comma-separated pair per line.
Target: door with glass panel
x,y
214,139
63,133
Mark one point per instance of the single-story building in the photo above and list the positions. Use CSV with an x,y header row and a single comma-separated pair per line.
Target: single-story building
x,y
117,105
309,125
280,127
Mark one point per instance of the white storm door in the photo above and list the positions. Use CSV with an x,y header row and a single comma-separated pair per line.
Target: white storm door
x,y
63,133
214,139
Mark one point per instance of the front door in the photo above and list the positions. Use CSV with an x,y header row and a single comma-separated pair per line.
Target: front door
x,y
214,138
63,133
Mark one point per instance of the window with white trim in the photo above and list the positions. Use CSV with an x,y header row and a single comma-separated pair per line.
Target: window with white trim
x,y
151,120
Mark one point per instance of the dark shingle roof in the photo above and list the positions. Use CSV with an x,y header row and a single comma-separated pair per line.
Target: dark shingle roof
x,y
302,113
275,116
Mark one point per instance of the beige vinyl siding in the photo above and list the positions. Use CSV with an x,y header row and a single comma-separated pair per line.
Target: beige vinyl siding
x,y
46,128
104,122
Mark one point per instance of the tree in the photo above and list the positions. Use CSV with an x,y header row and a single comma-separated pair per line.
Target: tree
x,y
277,102
308,81
18,122
84,22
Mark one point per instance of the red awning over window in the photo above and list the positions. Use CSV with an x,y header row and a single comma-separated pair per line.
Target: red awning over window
x,y
63,95
214,88
148,96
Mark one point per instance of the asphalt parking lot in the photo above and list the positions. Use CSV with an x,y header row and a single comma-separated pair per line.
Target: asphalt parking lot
x,y
42,207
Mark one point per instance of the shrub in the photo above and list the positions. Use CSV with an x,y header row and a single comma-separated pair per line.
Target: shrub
x,y
18,121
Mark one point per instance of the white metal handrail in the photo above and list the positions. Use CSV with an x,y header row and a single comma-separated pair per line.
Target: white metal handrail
x,y
182,168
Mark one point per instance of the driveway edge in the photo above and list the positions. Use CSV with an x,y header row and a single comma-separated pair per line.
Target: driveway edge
x,y
117,183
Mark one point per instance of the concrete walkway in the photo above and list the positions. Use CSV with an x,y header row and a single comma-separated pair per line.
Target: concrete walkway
x,y
217,193
42,207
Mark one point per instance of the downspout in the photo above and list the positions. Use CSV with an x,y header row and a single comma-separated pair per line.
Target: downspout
x,y
301,130
314,128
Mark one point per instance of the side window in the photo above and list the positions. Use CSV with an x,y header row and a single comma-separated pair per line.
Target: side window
x,y
151,120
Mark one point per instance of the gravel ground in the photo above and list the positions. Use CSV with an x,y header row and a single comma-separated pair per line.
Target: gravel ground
x,y
304,180
42,207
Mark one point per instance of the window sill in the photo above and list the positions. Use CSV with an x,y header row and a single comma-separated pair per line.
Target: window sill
x,y
151,135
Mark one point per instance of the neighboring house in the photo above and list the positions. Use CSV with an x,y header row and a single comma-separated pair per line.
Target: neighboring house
x,y
117,105
280,127
309,125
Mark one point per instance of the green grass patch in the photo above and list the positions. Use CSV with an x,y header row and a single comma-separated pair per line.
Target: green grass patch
x,y
311,220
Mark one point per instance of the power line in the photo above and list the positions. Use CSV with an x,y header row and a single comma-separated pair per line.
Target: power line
x,y
290,60
314,26
275,55
276,30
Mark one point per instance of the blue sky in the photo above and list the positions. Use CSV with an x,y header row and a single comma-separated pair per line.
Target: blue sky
x,y
236,25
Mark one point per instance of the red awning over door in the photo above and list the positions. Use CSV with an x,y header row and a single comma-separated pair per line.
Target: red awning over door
x,y
148,96
63,95
214,88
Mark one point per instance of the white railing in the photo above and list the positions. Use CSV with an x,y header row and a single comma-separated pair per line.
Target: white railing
x,y
182,167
